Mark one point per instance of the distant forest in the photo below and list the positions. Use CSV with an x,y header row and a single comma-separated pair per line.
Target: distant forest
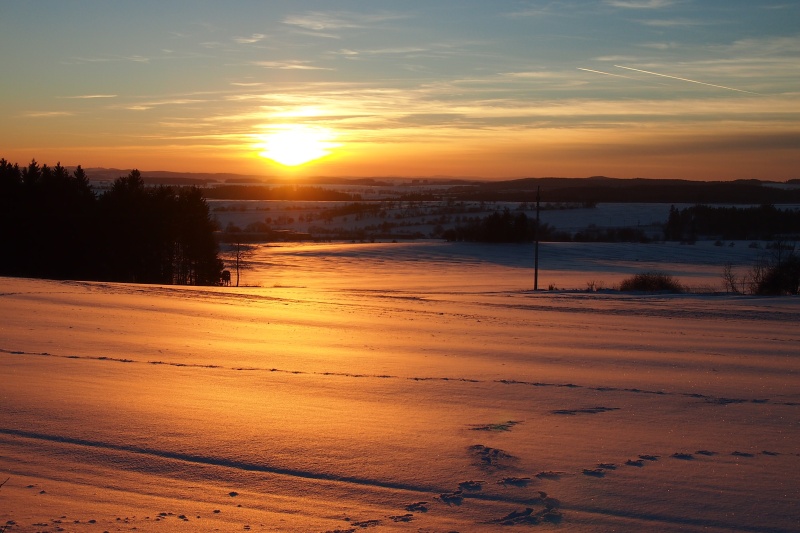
x,y
282,192
764,223
53,225
611,190
585,191
503,226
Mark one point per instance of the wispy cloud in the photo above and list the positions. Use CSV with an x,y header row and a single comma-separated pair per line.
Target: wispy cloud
x,y
254,38
660,46
402,50
107,59
48,114
289,65
673,23
640,4
536,74
321,24
528,13
774,46
89,96
213,44
715,142
318,21
347,53
615,58
150,104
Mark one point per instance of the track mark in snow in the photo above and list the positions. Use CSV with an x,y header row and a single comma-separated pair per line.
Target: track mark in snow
x,y
715,400
683,456
742,454
594,472
472,486
367,523
417,507
721,313
502,426
515,481
495,457
491,458
528,516
586,411
682,522
550,474
451,498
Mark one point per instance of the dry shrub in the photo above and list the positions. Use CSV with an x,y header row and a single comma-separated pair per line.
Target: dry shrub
x,y
651,282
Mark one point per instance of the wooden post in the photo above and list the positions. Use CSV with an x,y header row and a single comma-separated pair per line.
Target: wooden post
x,y
238,254
536,246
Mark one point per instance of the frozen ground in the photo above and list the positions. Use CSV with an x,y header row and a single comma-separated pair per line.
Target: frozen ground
x,y
469,267
411,387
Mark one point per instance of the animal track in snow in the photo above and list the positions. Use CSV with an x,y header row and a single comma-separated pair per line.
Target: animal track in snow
x,y
584,411
491,458
501,426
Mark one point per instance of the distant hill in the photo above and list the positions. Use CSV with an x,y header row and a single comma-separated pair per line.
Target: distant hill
x,y
173,178
601,189
594,189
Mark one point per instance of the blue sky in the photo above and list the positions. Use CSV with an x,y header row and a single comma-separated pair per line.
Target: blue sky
x,y
652,88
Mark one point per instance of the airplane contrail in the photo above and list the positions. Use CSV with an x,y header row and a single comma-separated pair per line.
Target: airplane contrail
x,y
615,75
606,73
686,79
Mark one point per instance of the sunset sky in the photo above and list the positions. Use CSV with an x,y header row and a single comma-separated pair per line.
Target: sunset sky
x,y
695,89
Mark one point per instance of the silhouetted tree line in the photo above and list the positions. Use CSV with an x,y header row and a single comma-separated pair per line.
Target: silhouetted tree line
x,y
53,225
503,226
357,209
764,222
283,192
592,234
500,227
601,189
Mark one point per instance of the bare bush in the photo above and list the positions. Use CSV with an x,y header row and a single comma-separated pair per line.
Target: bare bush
x,y
732,282
775,274
594,286
651,282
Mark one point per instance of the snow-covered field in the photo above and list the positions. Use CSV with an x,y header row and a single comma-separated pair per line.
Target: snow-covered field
x,y
409,387
469,267
423,217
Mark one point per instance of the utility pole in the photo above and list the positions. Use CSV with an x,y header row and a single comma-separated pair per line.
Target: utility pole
x,y
536,245
238,255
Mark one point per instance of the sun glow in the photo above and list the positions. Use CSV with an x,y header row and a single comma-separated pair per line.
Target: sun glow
x,y
293,145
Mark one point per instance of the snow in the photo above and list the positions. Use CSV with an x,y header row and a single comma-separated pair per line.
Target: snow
x,y
352,382
442,266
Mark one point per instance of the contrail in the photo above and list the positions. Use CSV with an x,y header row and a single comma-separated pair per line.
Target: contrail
x,y
615,75
606,73
690,81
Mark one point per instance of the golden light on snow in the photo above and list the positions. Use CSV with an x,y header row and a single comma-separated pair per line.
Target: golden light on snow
x,y
371,383
293,145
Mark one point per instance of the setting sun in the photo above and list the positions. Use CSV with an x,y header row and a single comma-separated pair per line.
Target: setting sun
x,y
295,145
